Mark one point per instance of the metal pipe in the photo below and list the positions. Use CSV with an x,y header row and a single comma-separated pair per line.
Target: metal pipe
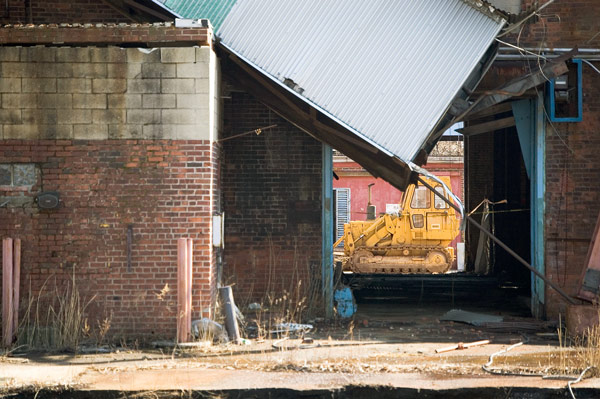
x,y
501,244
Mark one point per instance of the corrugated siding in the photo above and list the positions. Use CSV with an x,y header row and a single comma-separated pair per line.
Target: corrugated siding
x,y
385,69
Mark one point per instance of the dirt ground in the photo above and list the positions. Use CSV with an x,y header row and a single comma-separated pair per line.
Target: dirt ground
x,y
391,342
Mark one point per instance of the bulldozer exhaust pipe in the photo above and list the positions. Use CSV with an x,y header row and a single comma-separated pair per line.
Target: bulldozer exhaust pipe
x,y
501,244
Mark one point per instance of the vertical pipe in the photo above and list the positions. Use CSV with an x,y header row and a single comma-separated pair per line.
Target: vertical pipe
x,y
231,324
190,264
327,229
16,283
7,294
181,285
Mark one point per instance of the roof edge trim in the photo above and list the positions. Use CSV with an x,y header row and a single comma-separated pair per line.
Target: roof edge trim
x,y
312,104
487,9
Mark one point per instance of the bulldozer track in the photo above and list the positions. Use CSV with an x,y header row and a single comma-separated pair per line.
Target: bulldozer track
x,y
404,266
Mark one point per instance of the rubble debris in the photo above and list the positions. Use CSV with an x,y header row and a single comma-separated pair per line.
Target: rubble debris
x,y
461,345
475,319
208,330
291,328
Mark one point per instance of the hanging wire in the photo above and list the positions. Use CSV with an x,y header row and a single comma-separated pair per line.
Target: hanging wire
x,y
255,131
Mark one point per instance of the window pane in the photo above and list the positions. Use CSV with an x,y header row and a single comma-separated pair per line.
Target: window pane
x,y
438,202
418,221
421,198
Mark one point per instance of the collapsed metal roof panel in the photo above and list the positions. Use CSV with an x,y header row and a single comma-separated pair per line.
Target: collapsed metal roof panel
x,y
385,69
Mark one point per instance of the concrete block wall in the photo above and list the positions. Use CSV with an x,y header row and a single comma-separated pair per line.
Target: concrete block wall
x,y
109,92
128,138
271,195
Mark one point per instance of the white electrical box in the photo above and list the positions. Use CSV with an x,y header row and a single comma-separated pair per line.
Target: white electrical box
x,y
218,230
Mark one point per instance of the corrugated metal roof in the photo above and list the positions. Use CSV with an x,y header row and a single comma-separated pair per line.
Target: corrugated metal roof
x,y
214,10
385,69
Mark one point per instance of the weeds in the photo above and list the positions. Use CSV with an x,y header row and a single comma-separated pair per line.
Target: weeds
x,y
580,352
55,319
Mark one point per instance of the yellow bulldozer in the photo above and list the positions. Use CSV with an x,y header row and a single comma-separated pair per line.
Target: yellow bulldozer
x,y
415,241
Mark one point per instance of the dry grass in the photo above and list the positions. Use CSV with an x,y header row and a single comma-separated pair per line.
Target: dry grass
x,y
55,318
580,352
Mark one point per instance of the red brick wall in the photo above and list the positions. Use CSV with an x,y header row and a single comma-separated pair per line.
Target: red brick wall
x,y
572,165
572,192
161,187
59,11
271,187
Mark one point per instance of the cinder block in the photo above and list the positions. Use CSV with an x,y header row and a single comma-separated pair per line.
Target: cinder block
x,y
74,85
108,54
109,116
177,54
203,54
159,70
193,101
55,101
109,85
31,132
90,132
143,86
71,116
203,86
38,85
10,85
89,101
38,54
10,116
177,86
89,70
192,132
124,101
73,54
156,132
19,100
158,100
19,69
124,71
128,131
143,116
135,55
181,116
54,70
10,54
192,70
39,116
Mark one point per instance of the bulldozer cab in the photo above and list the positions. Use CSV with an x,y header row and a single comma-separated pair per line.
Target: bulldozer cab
x,y
430,217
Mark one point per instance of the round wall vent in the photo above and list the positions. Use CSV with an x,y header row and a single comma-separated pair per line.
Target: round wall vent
x,y
48,200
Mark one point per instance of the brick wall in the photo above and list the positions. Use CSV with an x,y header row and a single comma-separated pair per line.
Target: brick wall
x,y
59,11
271,187
126,138
572,167
159,187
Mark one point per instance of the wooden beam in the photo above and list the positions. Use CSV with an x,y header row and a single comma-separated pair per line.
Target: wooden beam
x,y
488,126
493,110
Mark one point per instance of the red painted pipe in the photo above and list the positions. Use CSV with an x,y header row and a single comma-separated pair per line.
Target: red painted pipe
x,y
7,294
181,285
16,283
190,264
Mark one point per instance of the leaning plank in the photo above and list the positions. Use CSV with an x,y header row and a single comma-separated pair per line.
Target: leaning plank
x,y
589,281
488,126
16,283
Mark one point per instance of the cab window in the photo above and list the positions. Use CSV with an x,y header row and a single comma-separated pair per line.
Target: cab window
x,y
437,201
421,198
